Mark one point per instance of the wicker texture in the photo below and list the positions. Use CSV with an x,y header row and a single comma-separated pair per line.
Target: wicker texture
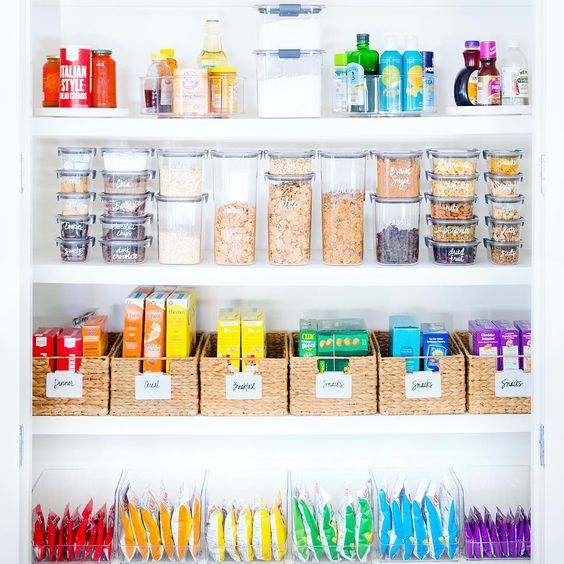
x,y
303,375
481,396
391,383
95,385
184,386
274,372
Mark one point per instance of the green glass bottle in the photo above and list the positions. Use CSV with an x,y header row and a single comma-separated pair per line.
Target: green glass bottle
x,y
368,59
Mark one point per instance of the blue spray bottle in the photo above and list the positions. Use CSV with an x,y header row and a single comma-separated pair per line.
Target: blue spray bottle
x,y
412,73
390,81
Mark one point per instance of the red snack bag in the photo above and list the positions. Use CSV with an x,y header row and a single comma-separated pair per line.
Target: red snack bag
x,y
52,530
82,531
90,539
72,527
62,536
100,526
109,536
39,534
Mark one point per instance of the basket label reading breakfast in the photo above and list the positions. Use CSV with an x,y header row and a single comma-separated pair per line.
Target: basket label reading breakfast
x,y
153,386
513,384
243,386
63,384
423,384
333,385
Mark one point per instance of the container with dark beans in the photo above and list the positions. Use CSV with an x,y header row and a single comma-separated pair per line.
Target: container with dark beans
x,y
74,250
75,227
125,252
133,182
125,204
452,253
125,228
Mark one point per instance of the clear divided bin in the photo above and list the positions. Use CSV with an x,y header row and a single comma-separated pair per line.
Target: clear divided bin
x,y
181,172
180,229
73,515
234,192
343,180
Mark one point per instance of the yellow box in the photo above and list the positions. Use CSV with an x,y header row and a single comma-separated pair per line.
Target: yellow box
x,y
178,328
229,335
253,337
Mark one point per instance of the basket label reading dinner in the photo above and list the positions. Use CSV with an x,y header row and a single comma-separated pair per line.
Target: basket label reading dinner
x,y
153,386
423,384
243,386
513,384
63,384
333,385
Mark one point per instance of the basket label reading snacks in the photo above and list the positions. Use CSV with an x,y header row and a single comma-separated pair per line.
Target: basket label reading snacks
x,y
63,384
423,384
153,386
513,384
333,384
243,386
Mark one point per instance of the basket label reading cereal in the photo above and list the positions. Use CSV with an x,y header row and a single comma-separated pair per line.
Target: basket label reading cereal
x,y
153,386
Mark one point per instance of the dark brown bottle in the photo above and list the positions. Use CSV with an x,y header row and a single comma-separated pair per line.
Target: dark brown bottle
x,y
489,80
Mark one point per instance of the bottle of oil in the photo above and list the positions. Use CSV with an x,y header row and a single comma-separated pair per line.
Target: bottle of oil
x,y
212,54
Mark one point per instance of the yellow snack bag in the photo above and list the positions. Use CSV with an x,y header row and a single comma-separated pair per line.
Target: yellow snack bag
x,y
230,530
166,524
181,524
278,528
215,535
139,531
245,532
150,516
127,540
262,541
195,534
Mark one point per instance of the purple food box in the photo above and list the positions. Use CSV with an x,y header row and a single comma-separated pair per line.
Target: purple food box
x,y
484,337
524,327
508,345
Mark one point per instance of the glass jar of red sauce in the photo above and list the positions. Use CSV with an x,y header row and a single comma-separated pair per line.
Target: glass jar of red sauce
x,y
103,79
51,82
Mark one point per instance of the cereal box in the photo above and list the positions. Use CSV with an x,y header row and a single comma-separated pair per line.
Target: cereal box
x,y
154,340
484,338
180,323
45,343
229,335
253,337
405,340
134,315
69,345
308,337
524,328
95,336
434,345
508,345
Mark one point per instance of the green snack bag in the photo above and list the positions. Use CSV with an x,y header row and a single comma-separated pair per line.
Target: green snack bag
x,y
308,337
298,529
326,521
346,524
364,525
310,525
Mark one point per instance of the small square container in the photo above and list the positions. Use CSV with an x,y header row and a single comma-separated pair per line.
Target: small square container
x,y
128,228
127,182
452,253
116,205
124,159
398,173
76,204
75,181
181,172
503,186
76,158
503,163
290,162
74,250
505,208
453,162
503,253
445,186
453,230
75,227
451,208
505,230
125,252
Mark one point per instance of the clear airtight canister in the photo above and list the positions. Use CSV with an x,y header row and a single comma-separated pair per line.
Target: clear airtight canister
x,y
343,177
181,172
234,192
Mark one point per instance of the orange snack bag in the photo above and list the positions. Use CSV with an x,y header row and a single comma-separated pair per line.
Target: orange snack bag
x,y
127,541
181,524
155,330
196,524
166,525
150,516
134,313
95,336
139,531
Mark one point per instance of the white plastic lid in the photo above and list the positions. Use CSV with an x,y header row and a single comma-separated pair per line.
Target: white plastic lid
x,y
411,43
390,43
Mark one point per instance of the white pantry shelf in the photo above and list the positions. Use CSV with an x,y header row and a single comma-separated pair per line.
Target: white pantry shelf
x,y
344,130
289,425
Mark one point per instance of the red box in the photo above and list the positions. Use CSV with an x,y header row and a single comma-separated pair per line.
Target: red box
x,y
45,343
75,88
69,344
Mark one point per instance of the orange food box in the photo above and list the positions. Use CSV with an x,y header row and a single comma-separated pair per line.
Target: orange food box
x,y
155,331
134,313
95,336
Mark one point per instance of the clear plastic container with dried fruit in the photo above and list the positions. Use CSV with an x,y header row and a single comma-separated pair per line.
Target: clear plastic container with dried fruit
x,y
73,203
290,162
453,230
289,218
397,229
181,172
76,158
452,253
116,205
75,226
505,208
451,208
234,192
343,180
125,228
127,182
180,229
503,186
444,186
125,252
398,173
124,159
74,250
75,181
503,163
505,230
453,162
503,253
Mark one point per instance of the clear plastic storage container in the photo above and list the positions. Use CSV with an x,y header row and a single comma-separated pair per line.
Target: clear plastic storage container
x,y
505,208
76,204
505,230
78,181
75,227
453,162
128,228
131,182
504,163
74,250
398,173
234,191
503,253
343,179
180,229
76,158
503,186
397,229
125,159
289,218
290,162
453,230
125,252
290,25
116,205
444,186
181,172
452,253
451,208
289,83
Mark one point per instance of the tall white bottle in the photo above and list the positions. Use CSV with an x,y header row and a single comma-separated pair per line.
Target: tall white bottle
x,y
514,77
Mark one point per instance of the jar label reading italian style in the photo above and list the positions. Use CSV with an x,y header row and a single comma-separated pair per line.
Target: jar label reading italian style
x,y
423,384
75,78
153,386
333,385
243,386
63,384
489,90
513,384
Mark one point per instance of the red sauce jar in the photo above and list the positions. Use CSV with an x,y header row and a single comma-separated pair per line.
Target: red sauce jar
x,y
51,82
103,79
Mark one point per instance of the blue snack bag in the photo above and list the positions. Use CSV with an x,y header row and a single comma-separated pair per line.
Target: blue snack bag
x,y
434,524
396,538
419,527
449,521
384,519
407,524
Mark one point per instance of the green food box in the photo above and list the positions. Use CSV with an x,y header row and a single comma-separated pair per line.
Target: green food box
x,y
333,365
308,337
342,337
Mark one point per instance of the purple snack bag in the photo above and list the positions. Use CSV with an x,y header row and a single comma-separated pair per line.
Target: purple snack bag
x,y
476,533
528,535
520,525
501,523
469,537
485,536
494,536
512,534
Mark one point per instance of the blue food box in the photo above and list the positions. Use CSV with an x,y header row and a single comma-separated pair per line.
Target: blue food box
x,y
405,340
434,344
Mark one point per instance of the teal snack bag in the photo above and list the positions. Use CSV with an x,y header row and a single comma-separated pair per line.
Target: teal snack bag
x,y
449,521
346,524
364,526
434,524
310,525
396,539
384,519
298,529
419,527
326,522
407,524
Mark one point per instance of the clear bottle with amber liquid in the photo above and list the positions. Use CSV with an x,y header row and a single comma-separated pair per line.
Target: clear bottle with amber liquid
x,y
212,54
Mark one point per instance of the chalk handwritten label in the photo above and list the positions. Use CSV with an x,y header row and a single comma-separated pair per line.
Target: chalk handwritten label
x,y
333,385
513,384
64,384
423,384
243,386
153,386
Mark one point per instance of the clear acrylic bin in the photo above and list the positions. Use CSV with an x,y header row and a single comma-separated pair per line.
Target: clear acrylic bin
x,y
181,172
68,505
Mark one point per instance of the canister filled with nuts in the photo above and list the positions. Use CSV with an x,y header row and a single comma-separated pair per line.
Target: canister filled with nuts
x,y
505,230
503,253
505,208
290,162
451,208
453,162
503,186
503,163
453,230
444,186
